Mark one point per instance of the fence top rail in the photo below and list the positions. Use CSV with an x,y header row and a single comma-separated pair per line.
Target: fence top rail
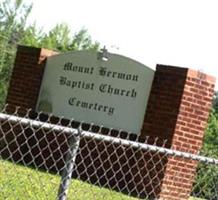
x,y
106,138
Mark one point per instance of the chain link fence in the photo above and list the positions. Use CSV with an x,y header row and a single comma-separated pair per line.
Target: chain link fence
x,y
45,157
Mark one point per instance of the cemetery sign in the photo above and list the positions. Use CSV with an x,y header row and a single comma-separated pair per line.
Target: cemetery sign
x,y
83,86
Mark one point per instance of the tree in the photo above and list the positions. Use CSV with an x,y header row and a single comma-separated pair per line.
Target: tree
x,y
207,174
14,30
59,39
13,17
215,102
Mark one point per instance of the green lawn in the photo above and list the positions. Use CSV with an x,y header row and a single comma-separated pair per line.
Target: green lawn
x,y
23,183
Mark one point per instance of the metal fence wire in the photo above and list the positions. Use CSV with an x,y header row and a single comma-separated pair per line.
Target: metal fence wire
x,y
45,157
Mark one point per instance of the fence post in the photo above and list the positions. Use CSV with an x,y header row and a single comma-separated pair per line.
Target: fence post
x,y
69,165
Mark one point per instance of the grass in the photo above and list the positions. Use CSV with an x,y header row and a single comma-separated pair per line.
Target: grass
x,y
22,183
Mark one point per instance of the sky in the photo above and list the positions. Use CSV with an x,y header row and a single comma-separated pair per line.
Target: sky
x,y
173,32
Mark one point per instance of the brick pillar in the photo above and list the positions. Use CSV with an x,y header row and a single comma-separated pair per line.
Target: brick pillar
x,y
178,110
164,102
27,75
23,91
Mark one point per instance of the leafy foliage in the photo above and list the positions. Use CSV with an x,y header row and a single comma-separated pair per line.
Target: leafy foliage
x,y
207,174
210,147
14,30
215,102
13,16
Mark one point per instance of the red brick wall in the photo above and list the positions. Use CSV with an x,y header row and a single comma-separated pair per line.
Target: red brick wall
x,y
177,110
164,102
188,135
27,75
194,111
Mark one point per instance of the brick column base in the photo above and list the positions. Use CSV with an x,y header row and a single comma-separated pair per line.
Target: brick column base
x,y
178,111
